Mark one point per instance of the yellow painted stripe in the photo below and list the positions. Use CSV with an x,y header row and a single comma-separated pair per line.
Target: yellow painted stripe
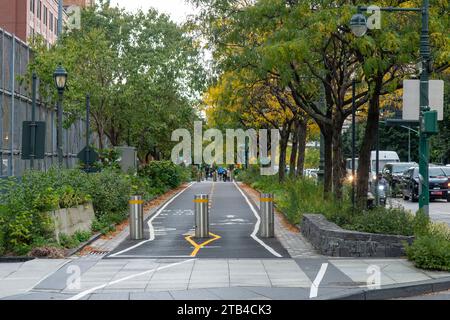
x,y
200,200
266,199
136,201
198,246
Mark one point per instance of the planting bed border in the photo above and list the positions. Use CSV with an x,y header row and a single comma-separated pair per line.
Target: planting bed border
x,y
331,240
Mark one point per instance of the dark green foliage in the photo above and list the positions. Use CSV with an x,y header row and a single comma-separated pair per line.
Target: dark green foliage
x,y
295,197
430,252
161,176
25,221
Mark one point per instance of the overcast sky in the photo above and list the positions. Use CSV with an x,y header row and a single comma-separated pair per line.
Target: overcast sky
x,y
177,9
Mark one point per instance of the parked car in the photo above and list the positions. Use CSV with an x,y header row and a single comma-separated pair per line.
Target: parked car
x,y
446,170
393,172
438,184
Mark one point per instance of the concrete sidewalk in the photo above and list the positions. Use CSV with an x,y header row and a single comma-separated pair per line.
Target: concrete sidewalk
x,y
202,278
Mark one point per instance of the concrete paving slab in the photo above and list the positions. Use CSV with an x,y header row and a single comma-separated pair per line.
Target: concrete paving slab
x,y
282,293
235,293
195,294
162,295
217,284
110,296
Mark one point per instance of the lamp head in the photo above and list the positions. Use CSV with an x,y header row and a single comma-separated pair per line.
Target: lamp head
x,y
358,25
60,76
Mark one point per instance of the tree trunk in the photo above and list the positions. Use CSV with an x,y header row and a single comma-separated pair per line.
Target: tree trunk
x,y
284,138
362,182
294,149
338,174
302,134
100,138
328,162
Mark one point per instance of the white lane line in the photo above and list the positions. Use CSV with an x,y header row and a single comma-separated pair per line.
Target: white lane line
x,y
150,225
88,291
315,285
258,222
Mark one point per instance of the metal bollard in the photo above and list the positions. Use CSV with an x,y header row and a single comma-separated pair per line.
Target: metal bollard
x,y
267,215
136,218
231,175
201,215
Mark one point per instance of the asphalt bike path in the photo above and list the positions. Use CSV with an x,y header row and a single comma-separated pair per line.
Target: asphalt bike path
x,y
234,226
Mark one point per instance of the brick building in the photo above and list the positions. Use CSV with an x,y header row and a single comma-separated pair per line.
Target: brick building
x,y
26,18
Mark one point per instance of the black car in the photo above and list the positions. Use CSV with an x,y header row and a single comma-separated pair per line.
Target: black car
x,y
438,184
447,173
393,173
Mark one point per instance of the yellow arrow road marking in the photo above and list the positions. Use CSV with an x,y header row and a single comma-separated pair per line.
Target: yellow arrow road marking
x,y
198,246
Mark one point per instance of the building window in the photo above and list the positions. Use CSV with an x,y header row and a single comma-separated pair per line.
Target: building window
x,y
32,5
45,15
51,21
56,26
38,9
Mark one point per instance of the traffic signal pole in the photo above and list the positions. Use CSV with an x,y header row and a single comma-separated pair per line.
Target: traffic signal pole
x,y
424,146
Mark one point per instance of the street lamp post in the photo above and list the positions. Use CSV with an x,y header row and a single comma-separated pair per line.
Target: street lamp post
x,y
353,140
359,27
60,77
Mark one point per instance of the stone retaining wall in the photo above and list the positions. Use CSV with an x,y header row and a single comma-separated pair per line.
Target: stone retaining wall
x,y
70,220
331,240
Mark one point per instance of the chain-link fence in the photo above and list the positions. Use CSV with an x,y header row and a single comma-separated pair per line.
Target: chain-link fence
x,y
15,107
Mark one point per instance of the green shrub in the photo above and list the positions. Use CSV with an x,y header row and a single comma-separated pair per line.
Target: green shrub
x,y
297,196
75,240
384,220
110,191
105,223
25,221
163,175
250,175
439,229
430,252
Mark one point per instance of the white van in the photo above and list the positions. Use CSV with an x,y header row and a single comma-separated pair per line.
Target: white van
x,y
384,157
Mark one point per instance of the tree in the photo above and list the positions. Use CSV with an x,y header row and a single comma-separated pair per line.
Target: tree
x,y
142,70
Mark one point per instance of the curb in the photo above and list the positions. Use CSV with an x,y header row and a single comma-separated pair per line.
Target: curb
x,y
8,259
73,251
397,290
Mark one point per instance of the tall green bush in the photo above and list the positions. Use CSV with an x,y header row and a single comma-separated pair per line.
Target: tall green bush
x,y
163,175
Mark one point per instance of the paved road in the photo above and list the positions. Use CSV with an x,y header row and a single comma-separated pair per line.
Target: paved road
x,y
439,209
233,228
